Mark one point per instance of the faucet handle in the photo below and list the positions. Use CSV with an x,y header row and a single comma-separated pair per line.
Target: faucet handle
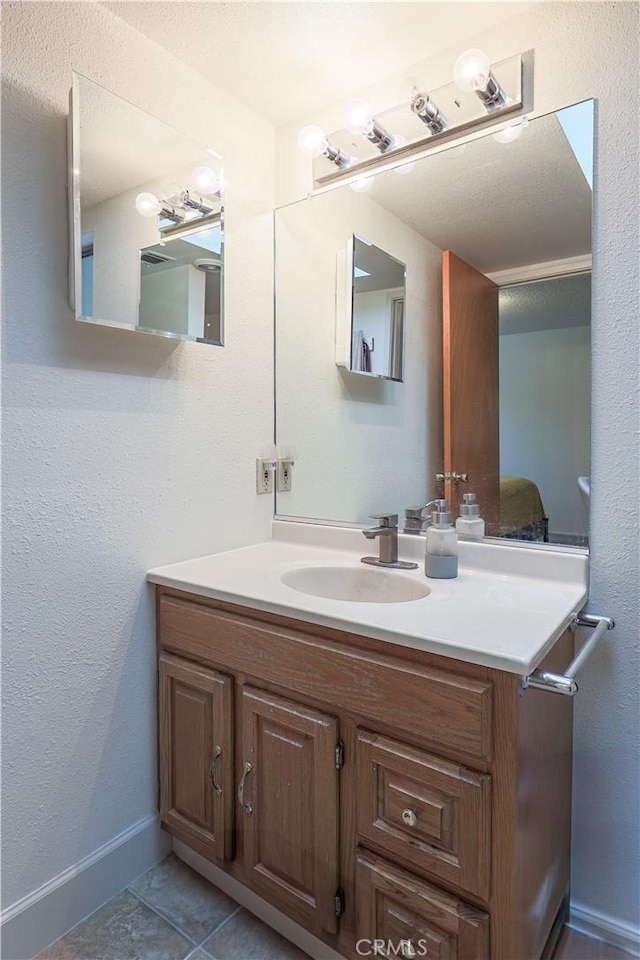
x,y
385,519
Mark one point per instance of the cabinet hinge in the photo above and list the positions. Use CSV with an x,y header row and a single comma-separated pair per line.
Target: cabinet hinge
x,y
339,755
338,902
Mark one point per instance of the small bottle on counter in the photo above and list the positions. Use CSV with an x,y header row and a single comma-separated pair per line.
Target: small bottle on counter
x,y
470,525
441,556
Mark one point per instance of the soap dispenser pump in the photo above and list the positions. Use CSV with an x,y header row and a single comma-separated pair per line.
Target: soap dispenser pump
x,y
441,556
470,525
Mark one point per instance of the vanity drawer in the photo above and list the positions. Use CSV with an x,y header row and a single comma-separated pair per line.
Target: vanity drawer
x,y
425,810
413,918
451,712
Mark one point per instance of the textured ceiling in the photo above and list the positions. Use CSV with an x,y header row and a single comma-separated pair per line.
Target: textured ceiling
x,y
287,59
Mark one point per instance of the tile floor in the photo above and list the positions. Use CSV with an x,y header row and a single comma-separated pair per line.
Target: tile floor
x,y
172,913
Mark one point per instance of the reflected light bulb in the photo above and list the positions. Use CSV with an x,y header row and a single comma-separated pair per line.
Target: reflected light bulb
x,y
472,70
358,118
400,141
362,184
511,133
148,205
205,180
312,141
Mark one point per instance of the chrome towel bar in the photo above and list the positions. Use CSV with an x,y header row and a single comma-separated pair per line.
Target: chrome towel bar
x,y
565,683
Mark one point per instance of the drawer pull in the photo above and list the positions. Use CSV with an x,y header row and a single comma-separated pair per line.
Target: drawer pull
x,y
217,750
247,807
408,948
410,819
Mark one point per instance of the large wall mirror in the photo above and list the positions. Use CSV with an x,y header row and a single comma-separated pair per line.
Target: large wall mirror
x,y
147,244
495,238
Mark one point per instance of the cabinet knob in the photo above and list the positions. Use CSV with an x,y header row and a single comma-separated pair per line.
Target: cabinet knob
x,y
408,948
410,819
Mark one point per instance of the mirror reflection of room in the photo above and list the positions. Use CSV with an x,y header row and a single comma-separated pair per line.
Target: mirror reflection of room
x,y
496,235
148,219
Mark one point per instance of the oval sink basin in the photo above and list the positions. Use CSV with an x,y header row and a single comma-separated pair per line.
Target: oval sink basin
x,y
359,585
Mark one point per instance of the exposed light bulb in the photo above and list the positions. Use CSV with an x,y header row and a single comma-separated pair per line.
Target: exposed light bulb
x,y
205,180
362,184
512,132
312,141
472,70
358,118
148,205
400,141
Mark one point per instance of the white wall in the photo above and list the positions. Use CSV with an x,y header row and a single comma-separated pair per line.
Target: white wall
x,y
583,50
122,451
354,435
545,389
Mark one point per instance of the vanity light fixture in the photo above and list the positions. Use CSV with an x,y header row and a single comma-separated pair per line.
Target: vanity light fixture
x,y
313,143
359,119
472,73
427,111
148,205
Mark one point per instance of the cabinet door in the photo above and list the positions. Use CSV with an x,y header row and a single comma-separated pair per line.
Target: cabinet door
x,y
196,756
288,792
411,918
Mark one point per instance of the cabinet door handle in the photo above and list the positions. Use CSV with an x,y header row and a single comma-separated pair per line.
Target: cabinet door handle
x,y
247,807
217,750
409,817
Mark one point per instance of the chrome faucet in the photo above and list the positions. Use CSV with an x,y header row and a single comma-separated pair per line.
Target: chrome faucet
x,y
387,532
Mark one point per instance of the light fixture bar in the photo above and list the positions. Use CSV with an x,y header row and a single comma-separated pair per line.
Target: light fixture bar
x,y
444,113
427,111
335,155
492,95
379,137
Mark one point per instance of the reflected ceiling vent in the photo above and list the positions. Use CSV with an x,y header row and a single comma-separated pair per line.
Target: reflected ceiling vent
x,y
152,258
207,265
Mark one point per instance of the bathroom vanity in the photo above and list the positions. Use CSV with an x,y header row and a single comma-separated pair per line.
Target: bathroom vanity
x,y
366,788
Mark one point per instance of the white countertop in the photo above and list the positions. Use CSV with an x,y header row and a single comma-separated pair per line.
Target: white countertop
x,y
506,608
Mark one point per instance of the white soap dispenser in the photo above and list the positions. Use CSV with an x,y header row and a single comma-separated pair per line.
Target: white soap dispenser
x,y
470,525
441,556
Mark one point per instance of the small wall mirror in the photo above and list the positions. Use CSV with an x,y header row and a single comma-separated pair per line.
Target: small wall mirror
x,y
371,317
146,209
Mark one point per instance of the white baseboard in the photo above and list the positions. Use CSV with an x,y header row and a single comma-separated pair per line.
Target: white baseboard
x,y
35,921
246,898
604,927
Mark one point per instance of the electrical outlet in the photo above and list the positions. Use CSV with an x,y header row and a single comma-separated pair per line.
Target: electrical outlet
x,y
283,470
264,476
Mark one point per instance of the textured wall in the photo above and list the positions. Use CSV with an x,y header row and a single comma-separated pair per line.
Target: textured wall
x,y
121,451
584,50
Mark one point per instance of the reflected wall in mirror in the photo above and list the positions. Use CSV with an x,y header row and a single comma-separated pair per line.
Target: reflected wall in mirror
x,y
371,322
147,221
496,236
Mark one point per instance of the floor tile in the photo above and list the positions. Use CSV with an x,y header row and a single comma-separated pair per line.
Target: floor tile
x,y
124,929
184,897
244,937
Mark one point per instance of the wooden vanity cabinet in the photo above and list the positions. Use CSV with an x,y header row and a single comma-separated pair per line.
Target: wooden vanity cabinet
x,y
368,791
